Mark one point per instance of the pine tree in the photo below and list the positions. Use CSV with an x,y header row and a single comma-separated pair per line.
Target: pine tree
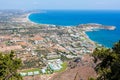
x,y
9,66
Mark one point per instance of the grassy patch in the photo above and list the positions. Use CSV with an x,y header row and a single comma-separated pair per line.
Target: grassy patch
x,y
64,67
31,70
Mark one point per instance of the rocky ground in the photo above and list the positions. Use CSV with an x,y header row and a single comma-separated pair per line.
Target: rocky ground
x,y
78,70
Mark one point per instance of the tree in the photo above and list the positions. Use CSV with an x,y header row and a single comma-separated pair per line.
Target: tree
x,y
108,62
9,65
116,48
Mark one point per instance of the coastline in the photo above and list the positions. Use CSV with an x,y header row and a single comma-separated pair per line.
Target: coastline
x,y
87,30
108,19
27,16
87,36
55,25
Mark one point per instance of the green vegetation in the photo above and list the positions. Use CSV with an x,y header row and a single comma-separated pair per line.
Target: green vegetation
x,y
108,62
91,79
49,71
64,58
31,70
9,65
64,66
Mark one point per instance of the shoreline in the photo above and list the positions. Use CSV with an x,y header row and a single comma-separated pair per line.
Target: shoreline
x,y
98,28
28,14
89,30
36,22
29,19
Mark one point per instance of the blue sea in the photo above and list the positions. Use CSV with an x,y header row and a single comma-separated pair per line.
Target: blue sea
x,y
75,17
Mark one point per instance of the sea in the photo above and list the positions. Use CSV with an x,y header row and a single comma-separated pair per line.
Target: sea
x,y
106,38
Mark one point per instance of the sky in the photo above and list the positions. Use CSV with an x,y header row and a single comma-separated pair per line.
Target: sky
x,y
61,4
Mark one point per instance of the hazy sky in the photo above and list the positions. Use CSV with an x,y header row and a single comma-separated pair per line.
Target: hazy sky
x,y
60,4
